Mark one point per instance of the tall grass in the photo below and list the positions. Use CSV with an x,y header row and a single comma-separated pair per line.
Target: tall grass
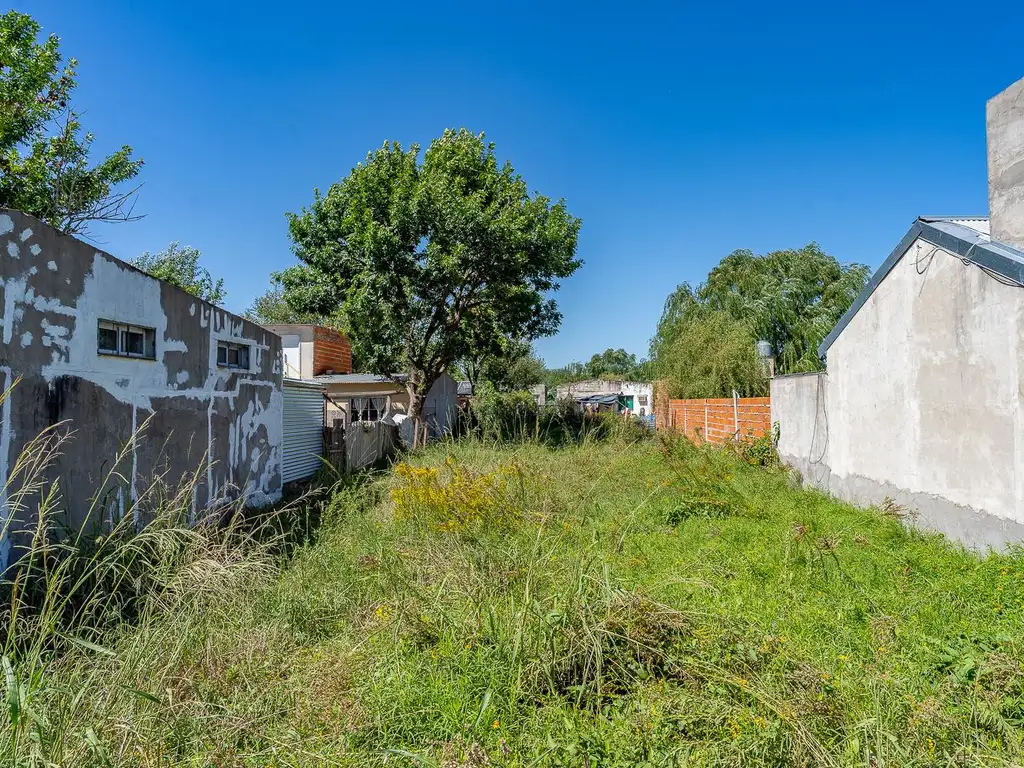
x,y
614,602
97,626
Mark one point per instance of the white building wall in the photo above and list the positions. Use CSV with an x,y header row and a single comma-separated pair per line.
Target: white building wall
x,y
922,401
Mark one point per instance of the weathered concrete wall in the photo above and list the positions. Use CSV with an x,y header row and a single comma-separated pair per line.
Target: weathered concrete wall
x,y
922,401
1004,118
225,422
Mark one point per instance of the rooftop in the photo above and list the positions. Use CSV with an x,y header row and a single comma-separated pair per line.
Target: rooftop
x,y
964,236
360,378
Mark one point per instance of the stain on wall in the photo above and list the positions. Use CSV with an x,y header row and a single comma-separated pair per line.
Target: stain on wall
x,y
226,422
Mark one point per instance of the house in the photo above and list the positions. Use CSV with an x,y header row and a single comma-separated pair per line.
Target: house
x,y
922,400
323,356
635,396
366,397
96,347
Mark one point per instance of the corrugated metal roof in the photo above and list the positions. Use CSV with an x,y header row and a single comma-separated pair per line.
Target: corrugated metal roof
x,y
959,235
358,378
464,389
977,223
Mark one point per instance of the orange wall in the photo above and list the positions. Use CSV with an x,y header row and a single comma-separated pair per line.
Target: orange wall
x,y
331,352
716,420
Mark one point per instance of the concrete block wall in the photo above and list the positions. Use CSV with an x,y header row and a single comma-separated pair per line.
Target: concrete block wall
x,y
717,420
922,402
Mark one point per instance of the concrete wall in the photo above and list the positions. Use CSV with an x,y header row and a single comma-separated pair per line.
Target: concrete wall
x,y
922,401
225,422
1004,118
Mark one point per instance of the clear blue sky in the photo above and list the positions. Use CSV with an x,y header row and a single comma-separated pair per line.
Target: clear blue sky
x,y
678,132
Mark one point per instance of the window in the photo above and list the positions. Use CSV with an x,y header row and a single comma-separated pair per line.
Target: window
x,y
641,399
366,408
231,355
126,340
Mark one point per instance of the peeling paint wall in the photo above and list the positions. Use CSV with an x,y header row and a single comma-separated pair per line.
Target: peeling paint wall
x,y
54,291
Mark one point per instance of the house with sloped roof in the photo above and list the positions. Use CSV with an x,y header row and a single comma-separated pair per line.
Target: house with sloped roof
x,y
921,405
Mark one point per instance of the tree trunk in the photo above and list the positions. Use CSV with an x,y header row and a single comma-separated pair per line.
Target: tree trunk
x,y
415,412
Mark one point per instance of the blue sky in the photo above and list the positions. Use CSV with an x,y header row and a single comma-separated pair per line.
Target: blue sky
x,y
678,132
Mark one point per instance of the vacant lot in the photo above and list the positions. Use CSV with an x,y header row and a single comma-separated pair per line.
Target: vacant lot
x,y
610,604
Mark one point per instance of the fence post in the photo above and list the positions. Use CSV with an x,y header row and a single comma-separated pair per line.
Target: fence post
x,y
685,411
735,413
706,440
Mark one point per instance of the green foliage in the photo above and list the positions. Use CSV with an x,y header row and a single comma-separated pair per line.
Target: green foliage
x,y
180,266
515,367
515,417
272,307
432,262
44,154
711,355
610,364
790,298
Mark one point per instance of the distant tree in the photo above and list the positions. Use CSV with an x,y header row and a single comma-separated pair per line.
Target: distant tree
x,y
612,364
791,299
44,155
713,355
432,262
180,266
515,368
272,307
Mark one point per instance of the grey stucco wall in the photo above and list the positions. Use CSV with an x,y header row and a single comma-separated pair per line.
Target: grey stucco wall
x,y
922,401
1004,123
225,424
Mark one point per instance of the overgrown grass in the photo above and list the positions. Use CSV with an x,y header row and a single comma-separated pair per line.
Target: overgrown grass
x,y
606,604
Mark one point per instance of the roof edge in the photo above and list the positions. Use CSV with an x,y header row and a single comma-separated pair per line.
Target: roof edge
x,y
961,241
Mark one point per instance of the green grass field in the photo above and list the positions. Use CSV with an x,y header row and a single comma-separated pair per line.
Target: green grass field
x,y
611,604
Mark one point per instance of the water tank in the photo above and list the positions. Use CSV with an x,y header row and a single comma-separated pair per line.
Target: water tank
x,y
764,349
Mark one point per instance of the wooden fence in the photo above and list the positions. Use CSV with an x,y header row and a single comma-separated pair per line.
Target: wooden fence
x,y
717,420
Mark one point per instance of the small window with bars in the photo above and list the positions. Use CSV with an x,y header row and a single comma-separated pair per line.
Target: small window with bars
x,y
124,340
232,355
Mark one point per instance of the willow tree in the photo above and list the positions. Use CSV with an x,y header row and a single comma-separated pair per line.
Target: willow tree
x,y
431,261
789,298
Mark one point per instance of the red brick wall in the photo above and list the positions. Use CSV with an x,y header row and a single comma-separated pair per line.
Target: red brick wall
x,y
719,419
331,352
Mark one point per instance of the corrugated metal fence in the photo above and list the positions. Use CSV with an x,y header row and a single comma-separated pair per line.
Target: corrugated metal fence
x,y
303,429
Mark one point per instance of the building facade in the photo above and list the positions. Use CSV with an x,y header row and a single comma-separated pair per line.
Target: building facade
x,y
95,347
922,402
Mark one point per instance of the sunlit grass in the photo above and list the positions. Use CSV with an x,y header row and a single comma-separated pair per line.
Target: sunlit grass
x,y
610,604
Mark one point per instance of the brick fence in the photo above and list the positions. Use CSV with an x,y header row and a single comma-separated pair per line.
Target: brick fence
x,y
719,419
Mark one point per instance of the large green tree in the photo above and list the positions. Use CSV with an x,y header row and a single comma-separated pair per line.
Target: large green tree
x,y
789,298
433,260
179,265
45,169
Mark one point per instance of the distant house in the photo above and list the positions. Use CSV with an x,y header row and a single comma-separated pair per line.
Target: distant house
x,y
323,356
922,402
366,397
635,396
96,346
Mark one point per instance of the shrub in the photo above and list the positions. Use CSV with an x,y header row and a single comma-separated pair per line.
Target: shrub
x,y
453,498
